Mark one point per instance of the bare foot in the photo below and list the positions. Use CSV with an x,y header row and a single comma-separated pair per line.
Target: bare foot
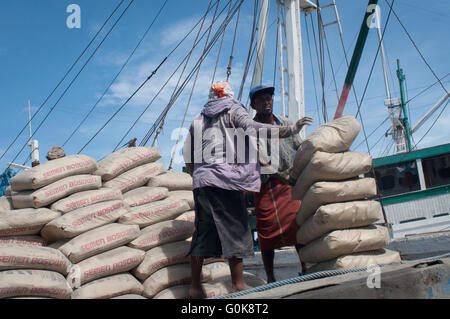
x,y
197,293
240,287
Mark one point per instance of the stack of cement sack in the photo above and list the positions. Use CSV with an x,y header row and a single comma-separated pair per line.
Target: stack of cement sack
x,y
117,228
219,283
337,221
105,272
27,267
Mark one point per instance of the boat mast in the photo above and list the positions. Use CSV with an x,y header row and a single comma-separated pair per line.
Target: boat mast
x,y
404,120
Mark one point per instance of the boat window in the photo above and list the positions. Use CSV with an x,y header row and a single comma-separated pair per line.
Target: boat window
x,y
397,178
436,170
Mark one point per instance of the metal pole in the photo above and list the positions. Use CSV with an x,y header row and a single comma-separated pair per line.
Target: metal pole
x,y
383,57
280,56
260,47
427,116
401,79
357,53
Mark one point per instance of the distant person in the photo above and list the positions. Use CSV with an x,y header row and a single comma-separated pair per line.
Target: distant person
x,y
275,209
221,217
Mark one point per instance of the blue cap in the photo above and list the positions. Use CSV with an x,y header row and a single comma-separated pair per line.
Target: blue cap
x,y
261,89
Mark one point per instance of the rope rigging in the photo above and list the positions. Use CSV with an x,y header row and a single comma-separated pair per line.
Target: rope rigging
x,y
117,75
206,42
62,80
153,73
213,41
76,76
177,93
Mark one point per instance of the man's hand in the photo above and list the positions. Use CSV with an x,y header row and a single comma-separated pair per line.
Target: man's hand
x,y
297,127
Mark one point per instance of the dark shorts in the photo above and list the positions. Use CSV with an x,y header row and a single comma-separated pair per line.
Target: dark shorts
x,y
221,224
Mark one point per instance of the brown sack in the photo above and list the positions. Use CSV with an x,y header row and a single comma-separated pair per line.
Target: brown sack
x,y
345,242
99,240
171,276
186,195
86,198
6,203
52,171
125,159
55,191
105,264
162,256
32,282
359,260
129,296
331,167
30,240
188,216
171,180
339,216
109,287
25,221
155,212
29,257
135,177
333,137
83,219
145,195
163,233
322,193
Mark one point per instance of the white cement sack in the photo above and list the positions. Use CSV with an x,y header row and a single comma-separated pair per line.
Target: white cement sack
x,y
162,256
339,216
28,282
163,233
174,292
83,199
359,260
331,167
135,177
55,191
155,212
129,296
6,203
29,257
109,263
344,242
25,221
52,171
322,193
188,216
109,287
83,219
171,276
333,137
30,240
222,286
214,288
125,159
171,180
145,195
99,240
186,195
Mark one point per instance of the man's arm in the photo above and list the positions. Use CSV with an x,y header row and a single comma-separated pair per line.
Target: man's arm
x,y
242,119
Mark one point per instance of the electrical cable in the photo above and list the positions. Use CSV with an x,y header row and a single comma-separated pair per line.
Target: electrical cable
x,y
62,80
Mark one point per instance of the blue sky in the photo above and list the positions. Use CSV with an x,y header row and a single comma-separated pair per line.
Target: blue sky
x,y
37,48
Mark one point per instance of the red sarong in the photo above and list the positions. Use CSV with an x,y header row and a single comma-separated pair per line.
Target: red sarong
x,y
275,212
